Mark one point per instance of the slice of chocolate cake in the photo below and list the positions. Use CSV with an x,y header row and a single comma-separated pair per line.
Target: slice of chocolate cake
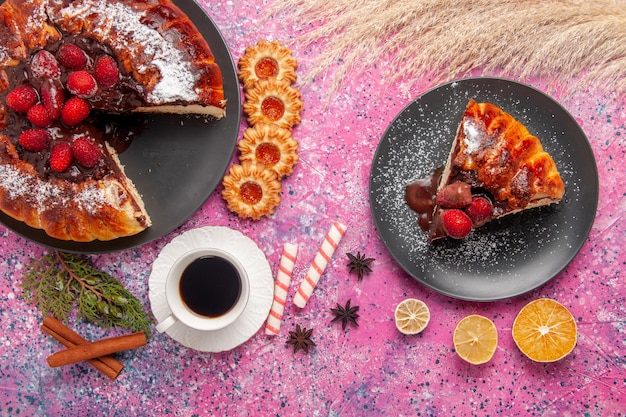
x,y
495,168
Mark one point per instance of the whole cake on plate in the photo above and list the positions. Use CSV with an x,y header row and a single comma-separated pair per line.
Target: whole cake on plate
x,y
67,70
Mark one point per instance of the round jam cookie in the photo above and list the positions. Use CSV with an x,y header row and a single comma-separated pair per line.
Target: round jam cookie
x,y
251,190
271,101
267,60
270,145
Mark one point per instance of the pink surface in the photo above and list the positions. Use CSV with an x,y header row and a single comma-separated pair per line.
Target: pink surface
x,y
370,370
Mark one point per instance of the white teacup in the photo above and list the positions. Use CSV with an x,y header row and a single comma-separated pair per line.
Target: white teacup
x,y
206,289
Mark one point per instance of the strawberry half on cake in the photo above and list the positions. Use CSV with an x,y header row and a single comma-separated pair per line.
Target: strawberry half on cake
x,y
495,167
69,70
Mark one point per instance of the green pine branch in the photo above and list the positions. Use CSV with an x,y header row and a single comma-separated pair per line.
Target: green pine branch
x,y
60,282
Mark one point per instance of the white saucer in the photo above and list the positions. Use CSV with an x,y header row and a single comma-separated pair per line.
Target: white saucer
x,y
261,287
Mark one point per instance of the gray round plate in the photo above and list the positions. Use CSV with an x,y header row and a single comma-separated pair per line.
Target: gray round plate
x,y
507,257
177,161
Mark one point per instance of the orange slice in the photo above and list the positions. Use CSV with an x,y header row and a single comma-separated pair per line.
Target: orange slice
x,y
411,316
475,339
545,330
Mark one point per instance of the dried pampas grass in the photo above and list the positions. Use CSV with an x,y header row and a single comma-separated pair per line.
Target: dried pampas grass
x,y
565,41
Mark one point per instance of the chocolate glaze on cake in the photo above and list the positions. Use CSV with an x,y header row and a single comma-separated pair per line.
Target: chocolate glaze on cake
x,y
420,196
105,123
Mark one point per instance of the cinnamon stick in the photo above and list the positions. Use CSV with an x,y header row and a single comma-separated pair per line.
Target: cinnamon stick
x,y
97,349
108,365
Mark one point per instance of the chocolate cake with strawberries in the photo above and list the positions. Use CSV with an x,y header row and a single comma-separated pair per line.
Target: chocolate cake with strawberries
x,y
69,70
495,168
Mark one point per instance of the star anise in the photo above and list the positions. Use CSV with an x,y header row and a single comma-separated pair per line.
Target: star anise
x,y
346,314
301,339
360,264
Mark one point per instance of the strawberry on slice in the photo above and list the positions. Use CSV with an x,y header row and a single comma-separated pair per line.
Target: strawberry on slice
x,y
479,210
72,57
106,72
456,195
456,223
52,97
38,116
74,111
34,140
44,66
61,157
22,98
86,152
82,84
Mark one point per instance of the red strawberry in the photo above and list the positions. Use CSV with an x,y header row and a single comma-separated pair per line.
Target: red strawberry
x,y
106,72
22,98
34,139
72,57
479,210
44,66
38,116
75,110
52,96
456,223
86,152
81,84
61,157
456,195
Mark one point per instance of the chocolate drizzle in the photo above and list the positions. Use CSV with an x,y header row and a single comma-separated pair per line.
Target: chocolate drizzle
x,y
420,195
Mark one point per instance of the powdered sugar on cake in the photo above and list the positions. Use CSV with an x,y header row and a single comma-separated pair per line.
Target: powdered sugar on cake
x,y
121,25
33,21
45,195
473,139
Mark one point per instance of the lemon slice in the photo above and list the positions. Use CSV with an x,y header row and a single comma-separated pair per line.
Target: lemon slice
x,y
545,330
412,316
475,339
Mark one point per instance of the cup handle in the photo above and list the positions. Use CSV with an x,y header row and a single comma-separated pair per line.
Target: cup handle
x,y
166,324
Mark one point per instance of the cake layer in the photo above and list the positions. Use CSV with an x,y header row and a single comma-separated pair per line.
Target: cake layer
x,y
495,152
101,209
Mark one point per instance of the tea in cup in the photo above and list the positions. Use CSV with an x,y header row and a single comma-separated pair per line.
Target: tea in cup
x,y
206,289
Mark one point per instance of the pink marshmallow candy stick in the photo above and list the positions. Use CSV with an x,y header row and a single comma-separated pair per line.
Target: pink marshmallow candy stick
x,y
329,245
281,286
